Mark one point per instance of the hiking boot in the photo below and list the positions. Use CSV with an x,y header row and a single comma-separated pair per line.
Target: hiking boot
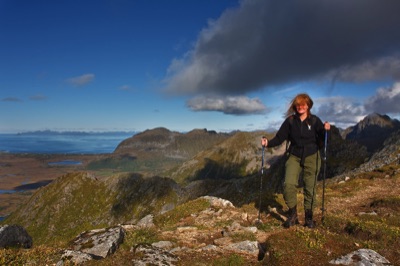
x,y
292,218
309,219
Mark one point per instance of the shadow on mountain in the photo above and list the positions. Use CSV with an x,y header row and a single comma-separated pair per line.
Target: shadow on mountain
x,y
33,185
371,137
139,196
124,162
214,170
226,180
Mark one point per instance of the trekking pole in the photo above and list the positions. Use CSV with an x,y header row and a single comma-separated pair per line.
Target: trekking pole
x,y
261,184
324,176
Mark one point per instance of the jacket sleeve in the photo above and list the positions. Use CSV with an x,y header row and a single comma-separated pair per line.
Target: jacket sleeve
x,y
281,135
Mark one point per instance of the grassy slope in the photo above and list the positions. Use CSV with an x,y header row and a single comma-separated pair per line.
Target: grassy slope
x,y
345,229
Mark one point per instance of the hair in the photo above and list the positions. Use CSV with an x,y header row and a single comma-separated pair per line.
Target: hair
x,y
302,98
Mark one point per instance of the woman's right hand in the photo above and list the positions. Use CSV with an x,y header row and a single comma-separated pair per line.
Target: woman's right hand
x,y
264,142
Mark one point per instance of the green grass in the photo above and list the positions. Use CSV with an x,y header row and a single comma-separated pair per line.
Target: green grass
x,y
169,219
231,260
140,236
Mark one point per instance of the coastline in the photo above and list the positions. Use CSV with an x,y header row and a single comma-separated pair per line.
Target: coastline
x,y
27,172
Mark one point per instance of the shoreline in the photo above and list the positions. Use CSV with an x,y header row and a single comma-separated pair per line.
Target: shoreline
x,y
24,173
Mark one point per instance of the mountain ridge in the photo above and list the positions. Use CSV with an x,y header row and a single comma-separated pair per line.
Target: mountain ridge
x,y
229,168
372,131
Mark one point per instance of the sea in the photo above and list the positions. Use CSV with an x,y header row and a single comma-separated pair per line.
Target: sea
x,y
51,142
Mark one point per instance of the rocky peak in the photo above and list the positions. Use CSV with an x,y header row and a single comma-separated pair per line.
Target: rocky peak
x,y
376,119
372,131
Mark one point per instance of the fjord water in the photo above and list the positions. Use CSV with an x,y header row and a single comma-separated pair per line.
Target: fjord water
x,y
62,142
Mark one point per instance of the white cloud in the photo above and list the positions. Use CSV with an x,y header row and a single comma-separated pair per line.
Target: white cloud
x,y
385,101
125,88
11,99
38,97
81,80
343,112
239,105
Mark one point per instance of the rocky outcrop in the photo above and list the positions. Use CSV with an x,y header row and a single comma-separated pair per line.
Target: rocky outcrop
x,y
153,255
101,242
94,244
74,256
389,154
14,236
361,257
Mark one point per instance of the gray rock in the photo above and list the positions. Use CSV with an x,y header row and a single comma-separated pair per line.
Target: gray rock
x,y
163,244
244,246
14,236
74,256
151,255
146,222
100,243
167,207
211,248
362,257
251,229
218,202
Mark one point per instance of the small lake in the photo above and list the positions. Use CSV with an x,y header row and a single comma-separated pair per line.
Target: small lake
x,y
7,191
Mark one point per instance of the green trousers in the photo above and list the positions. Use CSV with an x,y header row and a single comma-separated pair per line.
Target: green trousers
x,y
312,165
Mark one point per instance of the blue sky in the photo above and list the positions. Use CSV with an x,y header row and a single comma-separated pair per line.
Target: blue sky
x,y
224,65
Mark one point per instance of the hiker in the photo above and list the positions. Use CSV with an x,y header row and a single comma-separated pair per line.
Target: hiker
x,y
305,132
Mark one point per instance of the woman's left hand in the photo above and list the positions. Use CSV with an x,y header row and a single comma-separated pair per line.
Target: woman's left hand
x,y
327,126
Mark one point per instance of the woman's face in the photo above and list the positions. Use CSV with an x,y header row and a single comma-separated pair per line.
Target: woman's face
x,y
301,108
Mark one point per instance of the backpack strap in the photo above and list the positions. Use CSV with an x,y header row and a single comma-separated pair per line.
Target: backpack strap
x,y
291,118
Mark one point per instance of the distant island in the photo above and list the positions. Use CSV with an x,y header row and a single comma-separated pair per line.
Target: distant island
x,y
76,133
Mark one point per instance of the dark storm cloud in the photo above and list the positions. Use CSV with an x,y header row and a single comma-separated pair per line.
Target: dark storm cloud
x,y
269,42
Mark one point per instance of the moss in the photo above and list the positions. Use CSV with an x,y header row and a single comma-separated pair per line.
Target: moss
x,y
372,230
39,255
138,196
140,236
231,260
309,246
242,236
171,218
58,219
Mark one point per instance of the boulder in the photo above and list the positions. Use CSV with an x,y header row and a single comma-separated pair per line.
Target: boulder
x,y
146,222
152,255
74,256
14,236
362,257
99,243
218,202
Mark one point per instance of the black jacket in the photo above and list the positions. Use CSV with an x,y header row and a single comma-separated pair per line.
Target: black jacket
x,y
304,136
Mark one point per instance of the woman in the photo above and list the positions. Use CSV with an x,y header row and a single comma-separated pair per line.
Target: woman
x,y
304,131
